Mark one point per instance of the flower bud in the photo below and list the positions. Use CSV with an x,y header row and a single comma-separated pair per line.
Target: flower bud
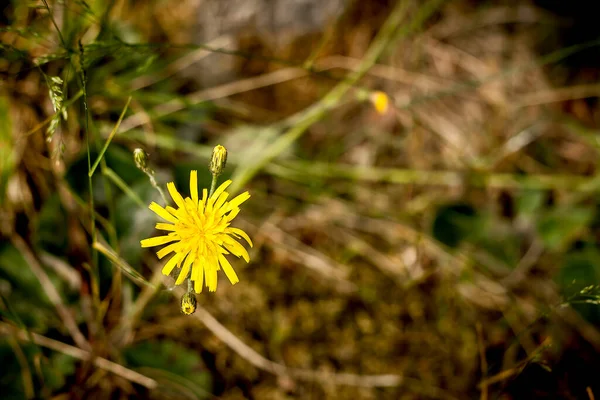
x,y
188,303
218,160
141,159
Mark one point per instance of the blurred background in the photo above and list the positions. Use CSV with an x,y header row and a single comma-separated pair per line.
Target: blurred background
x,y
424,207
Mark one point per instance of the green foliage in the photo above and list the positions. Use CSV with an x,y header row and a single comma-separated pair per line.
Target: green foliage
x,y
11,384
133,222
561,225
18,274
178,369
454,223
52,374
57,370
51,226
6,146
579,269
578,279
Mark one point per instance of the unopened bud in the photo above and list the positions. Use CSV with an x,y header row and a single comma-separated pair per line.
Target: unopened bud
x,y
188,303
218,160
141,159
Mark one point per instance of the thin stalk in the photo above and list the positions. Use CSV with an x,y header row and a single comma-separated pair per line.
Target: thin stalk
x,y
110,137
94,267
304,171
116,179
213,184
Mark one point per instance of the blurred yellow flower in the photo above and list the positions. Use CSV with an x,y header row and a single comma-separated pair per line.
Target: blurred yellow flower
x,y
201,234
380,101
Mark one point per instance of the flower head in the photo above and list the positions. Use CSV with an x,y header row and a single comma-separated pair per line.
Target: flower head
x,y
188,303
380,101
141,159
200,235
218,160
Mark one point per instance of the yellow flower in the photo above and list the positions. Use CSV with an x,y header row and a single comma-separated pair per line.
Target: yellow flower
x,y
380,101
201,234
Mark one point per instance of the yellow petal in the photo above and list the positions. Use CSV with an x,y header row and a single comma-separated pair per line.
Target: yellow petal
x,y
166,250
229,217
202,203
228,269
165,227
170,265
238,200
191,207
164,214
175,195
185,270
221,200
171,210
157,241
221,189
211,278
241,233
198,273
236,249
194,186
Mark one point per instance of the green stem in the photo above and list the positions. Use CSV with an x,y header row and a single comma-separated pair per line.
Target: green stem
x,y
150,174
213,184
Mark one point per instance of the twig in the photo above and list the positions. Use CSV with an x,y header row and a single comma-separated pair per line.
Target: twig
x,y
123,332
75,352
228,89
309,257
556,95
181,63
391,266
590,393
303,170
503,375
62,269
28,386
135,276
51,292
482,361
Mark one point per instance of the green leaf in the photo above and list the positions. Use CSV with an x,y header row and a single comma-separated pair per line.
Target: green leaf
x,y
454,223
58,368
580,270
17,272
529,202
50,231
560,226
